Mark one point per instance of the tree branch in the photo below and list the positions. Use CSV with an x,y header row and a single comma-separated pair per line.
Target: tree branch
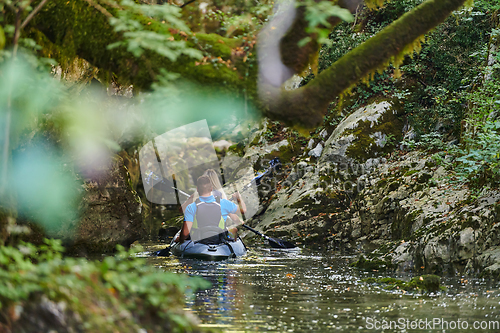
x,y
187,3
81,30
33,13
296,57
307,105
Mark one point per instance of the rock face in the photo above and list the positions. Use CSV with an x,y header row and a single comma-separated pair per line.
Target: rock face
x,y
316,152
411,209
404,211
367,133
312,202
111,211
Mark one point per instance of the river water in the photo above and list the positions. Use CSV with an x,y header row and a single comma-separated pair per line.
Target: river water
x,y
274,291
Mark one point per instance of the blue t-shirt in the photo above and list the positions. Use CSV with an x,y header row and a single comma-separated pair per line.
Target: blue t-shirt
x,y
227,207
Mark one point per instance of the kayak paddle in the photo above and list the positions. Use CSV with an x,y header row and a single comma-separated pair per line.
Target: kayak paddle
x,y
163,253
274,242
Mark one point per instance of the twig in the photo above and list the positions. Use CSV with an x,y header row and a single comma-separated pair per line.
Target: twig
x,y
356,17
100,8
33,13
112,4
187,3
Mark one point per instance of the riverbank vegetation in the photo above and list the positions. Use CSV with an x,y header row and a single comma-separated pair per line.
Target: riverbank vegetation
x,y
42,290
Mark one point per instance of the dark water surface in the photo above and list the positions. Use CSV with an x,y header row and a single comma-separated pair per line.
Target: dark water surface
x,y
274,291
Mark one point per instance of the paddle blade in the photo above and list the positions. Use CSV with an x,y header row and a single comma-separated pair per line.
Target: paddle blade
x,y
280,244
163,253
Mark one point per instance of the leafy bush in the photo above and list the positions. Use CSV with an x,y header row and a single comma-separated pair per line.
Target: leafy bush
x,y
431,142
480,156
435,80
120,293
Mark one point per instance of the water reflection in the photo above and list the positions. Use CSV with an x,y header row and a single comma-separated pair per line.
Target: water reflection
x,y
296,292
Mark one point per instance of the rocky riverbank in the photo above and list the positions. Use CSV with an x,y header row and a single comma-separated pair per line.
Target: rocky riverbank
x,y
360,193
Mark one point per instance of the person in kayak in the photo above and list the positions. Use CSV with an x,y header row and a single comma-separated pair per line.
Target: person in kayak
x,y
205,219
217,191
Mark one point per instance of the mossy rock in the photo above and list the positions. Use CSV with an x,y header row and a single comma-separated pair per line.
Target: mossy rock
x,y
430,283
424,178
393,186
372,264
401,229
365,146
425,283
419,187
238,149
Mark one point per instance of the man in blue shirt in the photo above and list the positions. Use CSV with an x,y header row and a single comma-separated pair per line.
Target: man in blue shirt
x,y
207,212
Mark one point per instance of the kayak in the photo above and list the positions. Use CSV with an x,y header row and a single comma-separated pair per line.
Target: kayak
x,y
226,250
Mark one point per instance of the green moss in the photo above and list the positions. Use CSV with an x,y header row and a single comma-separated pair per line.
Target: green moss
x,y
330,202
426,283
238,149
217,45
255,141
364,147
372,264
381,183
424,178
286,153
308,104
419,187
109,285
411,172
393,186
401,229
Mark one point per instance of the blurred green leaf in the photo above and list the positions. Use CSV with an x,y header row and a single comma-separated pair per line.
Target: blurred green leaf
x,y
46,192
2,38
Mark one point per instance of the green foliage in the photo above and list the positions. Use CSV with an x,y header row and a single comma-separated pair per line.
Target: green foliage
x,y
118,293
317,15
480,156
431,142
434,81
2,38
138,38
425,283
448,65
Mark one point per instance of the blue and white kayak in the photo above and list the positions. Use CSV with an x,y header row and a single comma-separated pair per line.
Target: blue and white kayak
x,y
190,249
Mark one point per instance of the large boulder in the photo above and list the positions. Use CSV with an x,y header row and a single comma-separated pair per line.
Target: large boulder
x,y
111,210
311,203
368,132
